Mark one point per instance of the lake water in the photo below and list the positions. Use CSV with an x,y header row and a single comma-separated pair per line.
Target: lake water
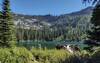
x,y
49,44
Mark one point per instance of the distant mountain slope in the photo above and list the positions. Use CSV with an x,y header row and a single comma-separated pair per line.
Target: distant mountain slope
x,y
38,21
85,11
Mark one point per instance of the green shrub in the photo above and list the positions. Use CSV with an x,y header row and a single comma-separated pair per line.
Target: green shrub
x,y
22,55
15,55
51,56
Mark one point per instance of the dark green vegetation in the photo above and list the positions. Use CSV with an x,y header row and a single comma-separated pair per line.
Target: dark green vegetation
x,y
7,29
93,34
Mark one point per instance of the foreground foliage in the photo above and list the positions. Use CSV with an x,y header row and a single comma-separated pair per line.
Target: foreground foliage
x,y
22,55
50,56
15,55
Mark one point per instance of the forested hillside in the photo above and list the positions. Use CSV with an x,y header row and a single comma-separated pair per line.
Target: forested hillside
x,y
70,26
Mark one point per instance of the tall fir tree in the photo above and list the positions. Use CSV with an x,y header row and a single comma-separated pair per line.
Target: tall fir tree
x,y
7,28
94,33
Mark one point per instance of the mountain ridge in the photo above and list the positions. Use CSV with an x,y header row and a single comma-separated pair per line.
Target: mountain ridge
x,y
39,21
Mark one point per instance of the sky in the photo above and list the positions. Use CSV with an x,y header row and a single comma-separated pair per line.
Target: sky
x,y
43,7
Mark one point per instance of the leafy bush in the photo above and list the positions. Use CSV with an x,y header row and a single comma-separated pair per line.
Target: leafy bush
x,y
15,55
53,56
22,55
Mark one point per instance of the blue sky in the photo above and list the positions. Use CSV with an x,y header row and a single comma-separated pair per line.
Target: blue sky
x,y
43,7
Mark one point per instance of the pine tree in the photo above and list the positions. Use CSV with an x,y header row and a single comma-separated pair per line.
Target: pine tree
x,y
7,28
94,33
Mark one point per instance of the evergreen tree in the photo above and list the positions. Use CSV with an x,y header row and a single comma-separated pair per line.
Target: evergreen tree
x,y
94,33
7,28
